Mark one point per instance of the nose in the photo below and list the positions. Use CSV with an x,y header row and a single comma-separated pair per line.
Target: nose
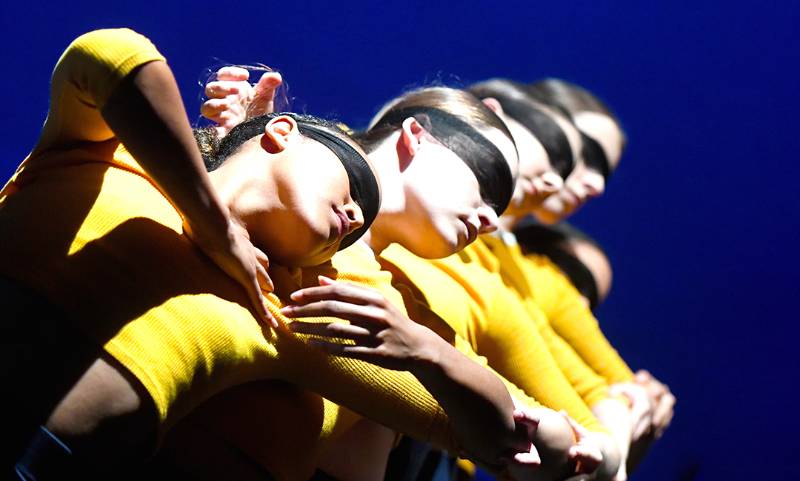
x,y
354,215
551,182
488,220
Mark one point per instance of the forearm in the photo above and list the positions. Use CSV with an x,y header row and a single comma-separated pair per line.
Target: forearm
x,y
146,114
476,401
615,416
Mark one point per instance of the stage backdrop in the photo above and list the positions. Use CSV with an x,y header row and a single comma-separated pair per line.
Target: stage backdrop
x,y
701,219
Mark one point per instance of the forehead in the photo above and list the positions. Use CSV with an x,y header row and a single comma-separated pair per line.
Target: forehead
x,y
604,131
504,145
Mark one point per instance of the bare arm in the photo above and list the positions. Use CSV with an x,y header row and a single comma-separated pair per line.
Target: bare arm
x,y
385,337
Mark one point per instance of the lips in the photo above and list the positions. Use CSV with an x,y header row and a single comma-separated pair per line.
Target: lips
x,y
343,223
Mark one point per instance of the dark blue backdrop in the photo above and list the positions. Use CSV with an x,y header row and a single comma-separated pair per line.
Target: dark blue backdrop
x,y
701,220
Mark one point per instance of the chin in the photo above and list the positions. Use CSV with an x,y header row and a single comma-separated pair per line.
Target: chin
x,y
433,250
548,217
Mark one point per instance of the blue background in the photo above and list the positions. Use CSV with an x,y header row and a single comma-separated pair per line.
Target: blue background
x,y
701,219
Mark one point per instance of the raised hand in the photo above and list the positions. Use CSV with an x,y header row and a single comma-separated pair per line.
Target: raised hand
x,y
232,99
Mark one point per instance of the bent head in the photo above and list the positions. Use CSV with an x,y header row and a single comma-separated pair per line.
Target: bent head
x,y
545,154
302,186
576,254
602,135
457,161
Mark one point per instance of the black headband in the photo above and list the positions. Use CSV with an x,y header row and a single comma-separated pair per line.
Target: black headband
x,y
481,155
363,184
550,242
546,131
594,156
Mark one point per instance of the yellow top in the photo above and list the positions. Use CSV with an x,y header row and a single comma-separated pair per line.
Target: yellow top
x,y
84,225
482,310
504,257
572,319
283,427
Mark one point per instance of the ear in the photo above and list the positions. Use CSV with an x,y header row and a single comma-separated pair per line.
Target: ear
x,y
493,104
411,134
279,133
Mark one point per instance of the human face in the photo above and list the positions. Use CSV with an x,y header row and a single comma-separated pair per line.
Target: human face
x,y
604,131
580,185
536,179
444,209
315,211
596,261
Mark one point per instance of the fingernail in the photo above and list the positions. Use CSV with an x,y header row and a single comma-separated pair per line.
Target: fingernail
x,y
296,295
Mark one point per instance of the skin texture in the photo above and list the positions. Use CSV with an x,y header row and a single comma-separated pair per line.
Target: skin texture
x,y
146,113
536,178
431,218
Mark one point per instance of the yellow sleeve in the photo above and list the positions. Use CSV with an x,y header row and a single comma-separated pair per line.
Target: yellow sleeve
x,y
420,312
392,398
509,261
496,325
86,75
590,386
572,319
513,345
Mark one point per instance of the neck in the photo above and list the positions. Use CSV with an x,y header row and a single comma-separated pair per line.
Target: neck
x,y
386,159
250,196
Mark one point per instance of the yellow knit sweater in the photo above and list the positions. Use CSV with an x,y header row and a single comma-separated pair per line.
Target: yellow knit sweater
x,y
85,226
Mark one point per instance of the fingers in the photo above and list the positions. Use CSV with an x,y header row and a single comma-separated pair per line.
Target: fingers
x,y
263,266
587,457
233,73
343,350
663,414
259,302
579,430
528,417
338,330
264,98
530,458
339,291
355,313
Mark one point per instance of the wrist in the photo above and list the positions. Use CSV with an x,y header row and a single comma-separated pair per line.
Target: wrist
x,y
429,357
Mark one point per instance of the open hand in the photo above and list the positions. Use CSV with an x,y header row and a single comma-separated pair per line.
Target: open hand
x,y
378,332
232,99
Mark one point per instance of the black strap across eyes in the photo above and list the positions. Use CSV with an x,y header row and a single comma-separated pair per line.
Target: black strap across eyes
x,y
594,156
482,157
363,184
546,131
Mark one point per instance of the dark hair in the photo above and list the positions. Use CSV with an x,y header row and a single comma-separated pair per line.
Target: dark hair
x,y
453,117
552,241
519,105
574,99
363,185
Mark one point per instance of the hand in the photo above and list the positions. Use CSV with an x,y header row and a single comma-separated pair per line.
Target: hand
x,y
233,252
232,99
586,452
661,397
379,333
641,407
